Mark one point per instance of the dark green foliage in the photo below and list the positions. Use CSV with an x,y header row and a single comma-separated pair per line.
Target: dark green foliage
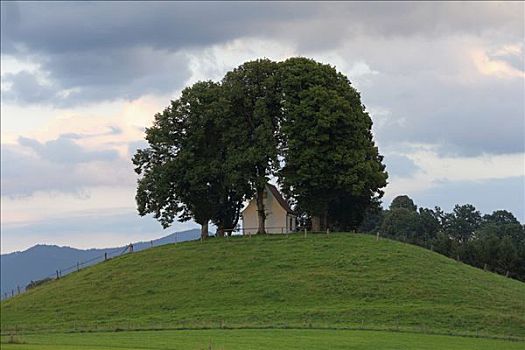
x,y
403,224
184,173
494,242
219,144
462,222
251,132
430,221
372,219
403,201
498,245
500,217
332,167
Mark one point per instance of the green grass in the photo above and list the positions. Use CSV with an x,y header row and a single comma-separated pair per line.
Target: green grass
x,y
245,339
334,281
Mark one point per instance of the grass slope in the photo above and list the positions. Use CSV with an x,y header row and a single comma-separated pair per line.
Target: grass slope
x,y
322,281
256,339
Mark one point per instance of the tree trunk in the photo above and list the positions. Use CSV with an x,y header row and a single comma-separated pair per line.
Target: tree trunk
x,y
260,211
324,221
316,223
204,230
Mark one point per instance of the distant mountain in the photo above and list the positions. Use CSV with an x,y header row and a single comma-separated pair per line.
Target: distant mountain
x,y
18,269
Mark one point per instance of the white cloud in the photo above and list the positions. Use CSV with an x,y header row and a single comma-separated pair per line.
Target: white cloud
x,y
213,62
448,75
498,67
434,170
11,64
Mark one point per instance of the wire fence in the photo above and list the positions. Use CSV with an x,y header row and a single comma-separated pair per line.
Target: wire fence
x,y
240,231
63,271
248,231
112,253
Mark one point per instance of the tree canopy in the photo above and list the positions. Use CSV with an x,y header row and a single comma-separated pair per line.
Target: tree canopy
x,y
494,242
185,173
252,125
332,167
403,201
220,143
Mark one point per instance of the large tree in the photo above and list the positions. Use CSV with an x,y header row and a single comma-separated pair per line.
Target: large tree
x,y
253,94
183,171
462,223
403,201
219,144
332,167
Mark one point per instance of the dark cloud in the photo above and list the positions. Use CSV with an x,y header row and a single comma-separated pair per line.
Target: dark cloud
x,y
26,88
83,77
94,51
486,117
65,150
105,50
82,26
60,166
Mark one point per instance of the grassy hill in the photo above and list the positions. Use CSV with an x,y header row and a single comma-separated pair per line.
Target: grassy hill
x,y
322,281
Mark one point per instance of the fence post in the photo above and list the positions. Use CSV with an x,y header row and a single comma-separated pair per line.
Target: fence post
x,y
105,256
12,293
131,247
18,288
78,266
305,232
377,236
282,230
58,275
151,243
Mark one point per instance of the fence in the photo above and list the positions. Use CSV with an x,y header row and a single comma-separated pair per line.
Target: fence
x,y
60,272
361,324
248,231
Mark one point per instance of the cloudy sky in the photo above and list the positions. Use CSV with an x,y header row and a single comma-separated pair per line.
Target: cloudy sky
x,y
444,83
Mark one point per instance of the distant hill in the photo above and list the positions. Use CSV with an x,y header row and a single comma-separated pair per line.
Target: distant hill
x,y
40,261
321,281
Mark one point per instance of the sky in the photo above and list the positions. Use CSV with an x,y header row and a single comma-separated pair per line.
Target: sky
x,y
443,82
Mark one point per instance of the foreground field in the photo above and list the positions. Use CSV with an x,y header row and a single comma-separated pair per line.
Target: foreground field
x,y
256,340
334,281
